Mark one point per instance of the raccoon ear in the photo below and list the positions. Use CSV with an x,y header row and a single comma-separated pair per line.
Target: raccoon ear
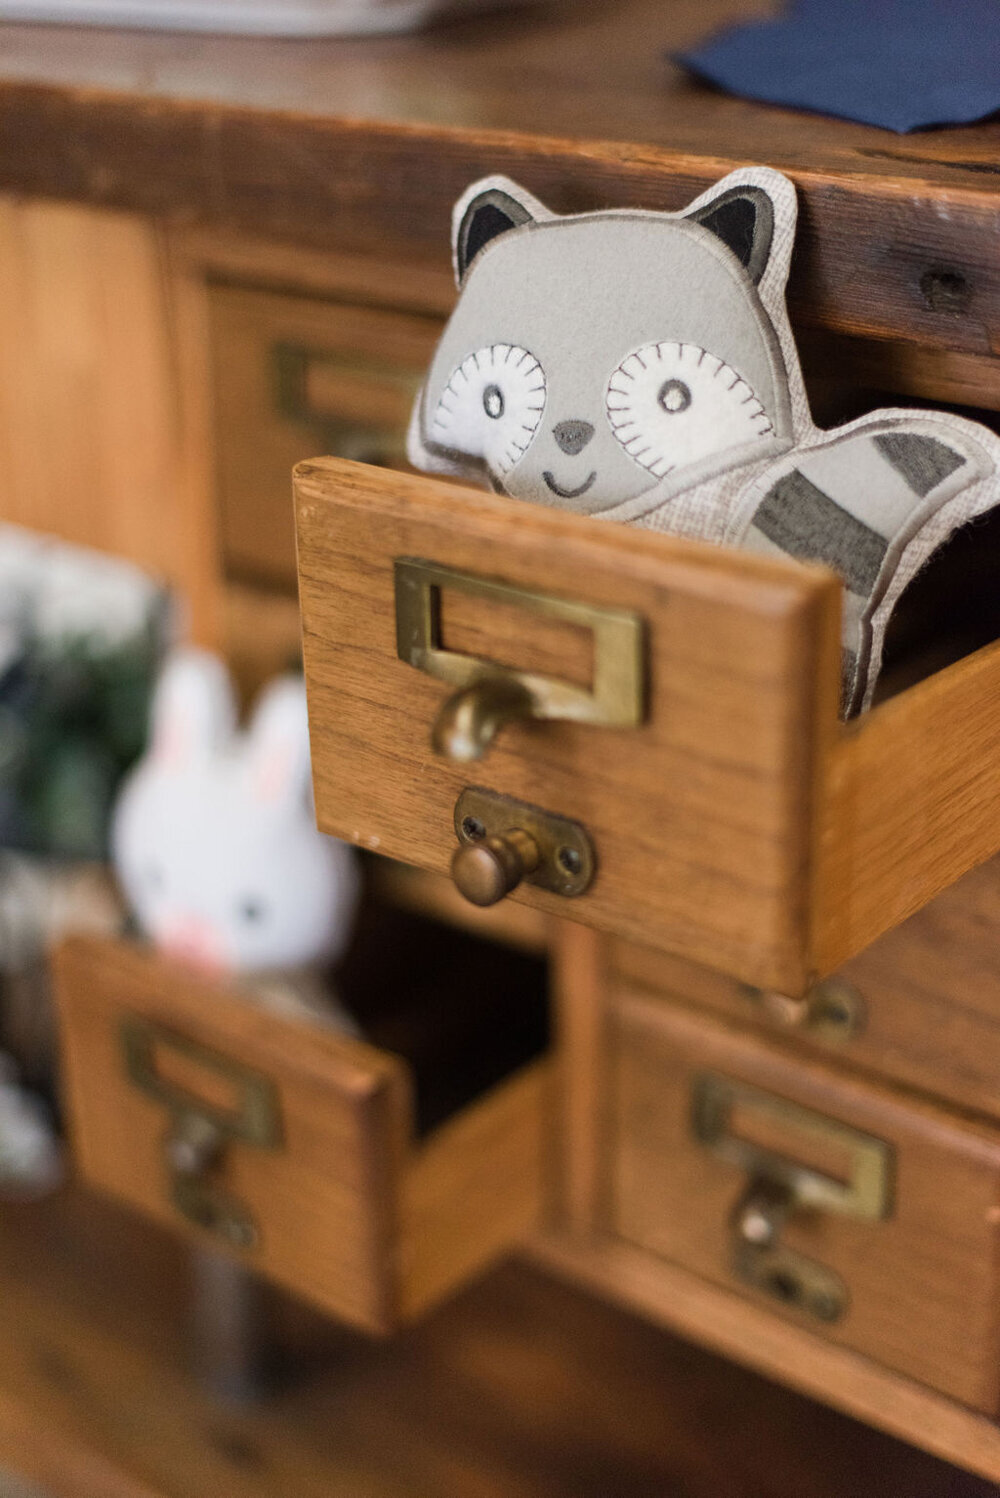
x,y
743,218
489,208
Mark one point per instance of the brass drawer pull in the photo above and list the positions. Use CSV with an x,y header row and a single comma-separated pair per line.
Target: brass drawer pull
x,y
780,1186
200,1130
503,841
489,695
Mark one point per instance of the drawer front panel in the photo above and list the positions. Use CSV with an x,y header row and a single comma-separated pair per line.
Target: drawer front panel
x,y
699,815
921,1006
316,1180
293,376
889,1245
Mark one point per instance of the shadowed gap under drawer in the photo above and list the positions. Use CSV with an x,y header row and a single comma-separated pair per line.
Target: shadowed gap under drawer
x,y
464,1012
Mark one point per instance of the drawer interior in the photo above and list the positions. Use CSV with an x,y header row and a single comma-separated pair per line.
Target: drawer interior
x,y
464,1013
384,1177
913,1262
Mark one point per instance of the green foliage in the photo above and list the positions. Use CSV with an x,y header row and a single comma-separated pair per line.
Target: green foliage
x,y
73,718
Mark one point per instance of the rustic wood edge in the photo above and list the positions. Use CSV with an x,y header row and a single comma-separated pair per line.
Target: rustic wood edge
x,y
236,167
67,1465
723,1322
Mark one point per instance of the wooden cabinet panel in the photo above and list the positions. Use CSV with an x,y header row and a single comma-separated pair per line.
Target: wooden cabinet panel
x,y
88,412
345,1207
293,375
926,997
920,1277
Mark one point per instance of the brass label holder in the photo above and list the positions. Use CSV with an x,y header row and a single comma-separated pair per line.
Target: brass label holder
x,y
487,694
780,1186
200,1131
379,442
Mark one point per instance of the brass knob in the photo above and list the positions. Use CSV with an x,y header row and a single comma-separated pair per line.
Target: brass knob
x,y
487,870
471,719
762,1211
195,1145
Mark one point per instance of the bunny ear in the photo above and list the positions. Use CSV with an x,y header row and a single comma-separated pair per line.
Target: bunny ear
x,y
278,743
194,708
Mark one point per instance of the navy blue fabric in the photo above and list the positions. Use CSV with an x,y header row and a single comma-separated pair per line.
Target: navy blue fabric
x,y
901,64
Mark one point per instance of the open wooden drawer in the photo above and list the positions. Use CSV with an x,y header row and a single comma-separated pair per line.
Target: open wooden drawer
x,y
692,728
286,1143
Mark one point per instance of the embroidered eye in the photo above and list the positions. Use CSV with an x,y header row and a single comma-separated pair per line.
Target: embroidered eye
x,y
252,911
493,401
492,406
672,405
674,396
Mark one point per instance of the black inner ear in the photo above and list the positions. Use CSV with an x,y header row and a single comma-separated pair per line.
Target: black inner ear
x,y
743,218
487,216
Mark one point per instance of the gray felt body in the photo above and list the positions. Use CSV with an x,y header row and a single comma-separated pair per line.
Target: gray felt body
x,y
647,373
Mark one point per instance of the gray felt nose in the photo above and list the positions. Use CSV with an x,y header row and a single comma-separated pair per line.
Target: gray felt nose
x,y
573,436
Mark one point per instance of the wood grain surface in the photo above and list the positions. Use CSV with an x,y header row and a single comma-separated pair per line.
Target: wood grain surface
x,y
922,1283
930,991
354,373
88,419
911,801
369,143
522,1387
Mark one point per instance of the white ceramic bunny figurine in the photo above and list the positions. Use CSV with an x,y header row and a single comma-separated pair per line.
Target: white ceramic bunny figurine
x,y
215,845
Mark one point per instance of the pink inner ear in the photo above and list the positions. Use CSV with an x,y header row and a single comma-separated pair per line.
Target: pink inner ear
x,y
170,747
271,774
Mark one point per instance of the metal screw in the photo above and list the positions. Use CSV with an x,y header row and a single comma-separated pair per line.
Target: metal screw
x,y
834,1012
569,861
242,1234
827,1307
473,828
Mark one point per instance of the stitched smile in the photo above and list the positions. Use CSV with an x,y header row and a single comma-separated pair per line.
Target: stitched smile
x,y
569,493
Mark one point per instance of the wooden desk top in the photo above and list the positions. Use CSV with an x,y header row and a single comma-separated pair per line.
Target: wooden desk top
x,y
362,142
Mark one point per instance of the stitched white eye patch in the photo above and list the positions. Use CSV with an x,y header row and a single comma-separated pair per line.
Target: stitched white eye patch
x,y
672,404
492,406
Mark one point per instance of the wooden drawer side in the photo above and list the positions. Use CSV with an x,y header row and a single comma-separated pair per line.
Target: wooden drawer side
x,y
477,1186
911,802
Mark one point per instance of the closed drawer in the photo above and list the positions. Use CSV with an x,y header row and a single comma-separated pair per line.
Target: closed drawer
x,y
734,820
863,1215
293,375
317,1179
921,1006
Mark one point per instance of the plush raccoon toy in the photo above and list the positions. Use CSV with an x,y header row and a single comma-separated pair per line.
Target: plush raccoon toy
x,y
641,367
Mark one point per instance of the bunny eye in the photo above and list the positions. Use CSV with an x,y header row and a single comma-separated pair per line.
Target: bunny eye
x,y
252,911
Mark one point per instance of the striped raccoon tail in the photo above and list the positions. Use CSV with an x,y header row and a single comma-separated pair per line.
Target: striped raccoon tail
x,y
873,500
